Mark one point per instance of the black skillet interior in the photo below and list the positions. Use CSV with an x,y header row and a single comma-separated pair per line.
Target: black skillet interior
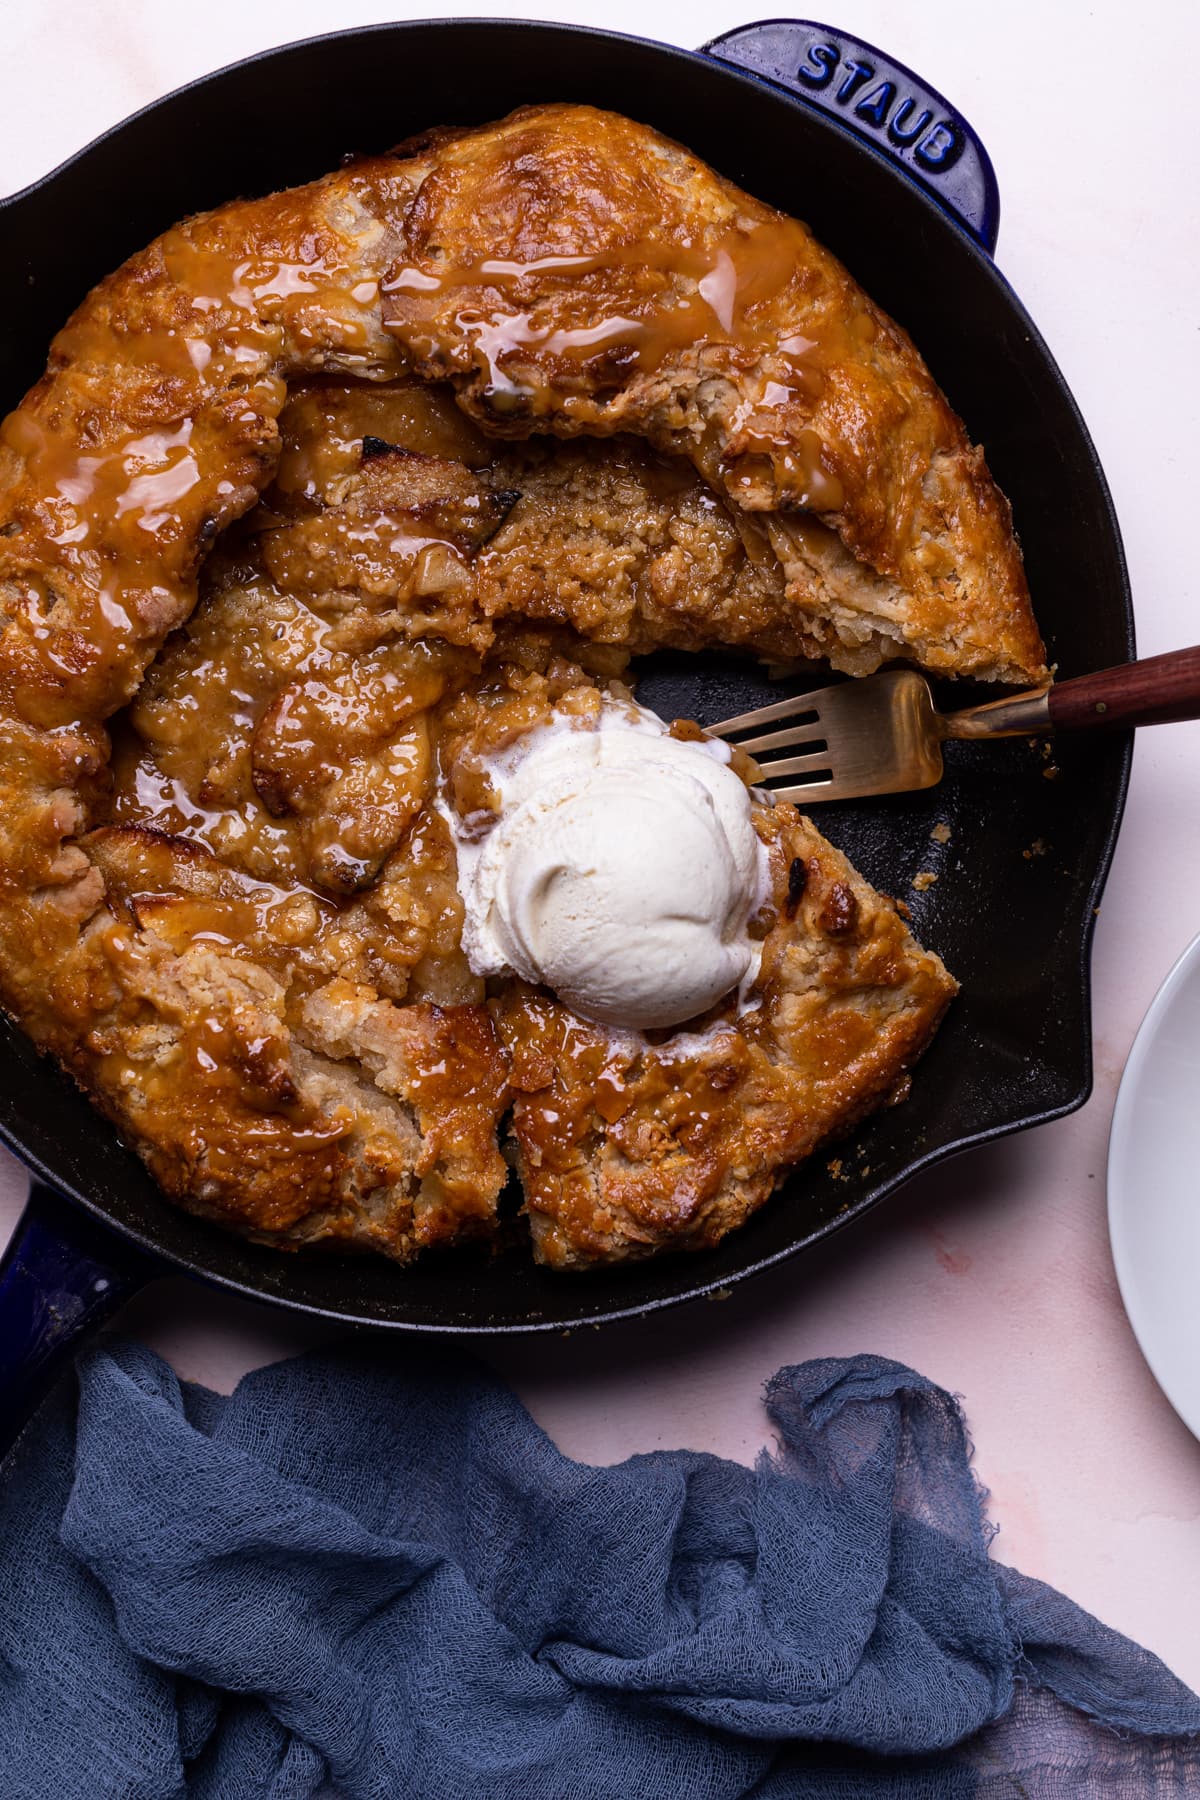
x,y
1029,839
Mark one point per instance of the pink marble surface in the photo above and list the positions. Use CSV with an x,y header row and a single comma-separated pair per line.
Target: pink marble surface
x,y
992,1274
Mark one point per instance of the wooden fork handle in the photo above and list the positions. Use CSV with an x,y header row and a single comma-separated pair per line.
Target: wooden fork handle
x,y
1153,692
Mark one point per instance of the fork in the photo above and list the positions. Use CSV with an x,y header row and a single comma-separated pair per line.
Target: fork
x,y
882,734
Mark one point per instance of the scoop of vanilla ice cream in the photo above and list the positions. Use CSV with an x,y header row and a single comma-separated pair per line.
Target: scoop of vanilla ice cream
x,y
622,871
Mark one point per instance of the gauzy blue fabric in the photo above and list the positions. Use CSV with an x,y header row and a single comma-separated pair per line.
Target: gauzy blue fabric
x,y
371,1574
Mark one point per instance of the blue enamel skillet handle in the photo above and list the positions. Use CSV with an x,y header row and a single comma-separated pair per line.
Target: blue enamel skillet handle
x,y
61,1277
879,100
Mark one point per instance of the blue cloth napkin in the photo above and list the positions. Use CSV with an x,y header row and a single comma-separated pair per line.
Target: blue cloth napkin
x,y
372,1572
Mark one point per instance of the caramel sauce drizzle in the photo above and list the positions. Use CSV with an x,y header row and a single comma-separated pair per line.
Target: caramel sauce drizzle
x,y
673,297
261,738
117,505
565,1070
221,1092
313,296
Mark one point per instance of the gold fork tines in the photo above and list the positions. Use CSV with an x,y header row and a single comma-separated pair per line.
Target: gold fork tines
x,y
875,736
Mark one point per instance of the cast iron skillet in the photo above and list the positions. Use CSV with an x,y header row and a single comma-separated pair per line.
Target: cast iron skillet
x,y
894,181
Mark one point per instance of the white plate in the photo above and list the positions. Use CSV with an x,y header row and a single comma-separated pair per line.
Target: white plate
x,y
1154,1186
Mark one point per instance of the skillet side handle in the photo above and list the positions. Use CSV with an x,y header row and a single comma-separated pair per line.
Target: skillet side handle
x,y
61,1277
881,101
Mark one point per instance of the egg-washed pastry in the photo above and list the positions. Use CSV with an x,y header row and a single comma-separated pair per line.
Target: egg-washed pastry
x,y
229,895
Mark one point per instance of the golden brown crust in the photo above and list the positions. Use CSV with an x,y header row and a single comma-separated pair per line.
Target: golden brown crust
x,y
253,964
